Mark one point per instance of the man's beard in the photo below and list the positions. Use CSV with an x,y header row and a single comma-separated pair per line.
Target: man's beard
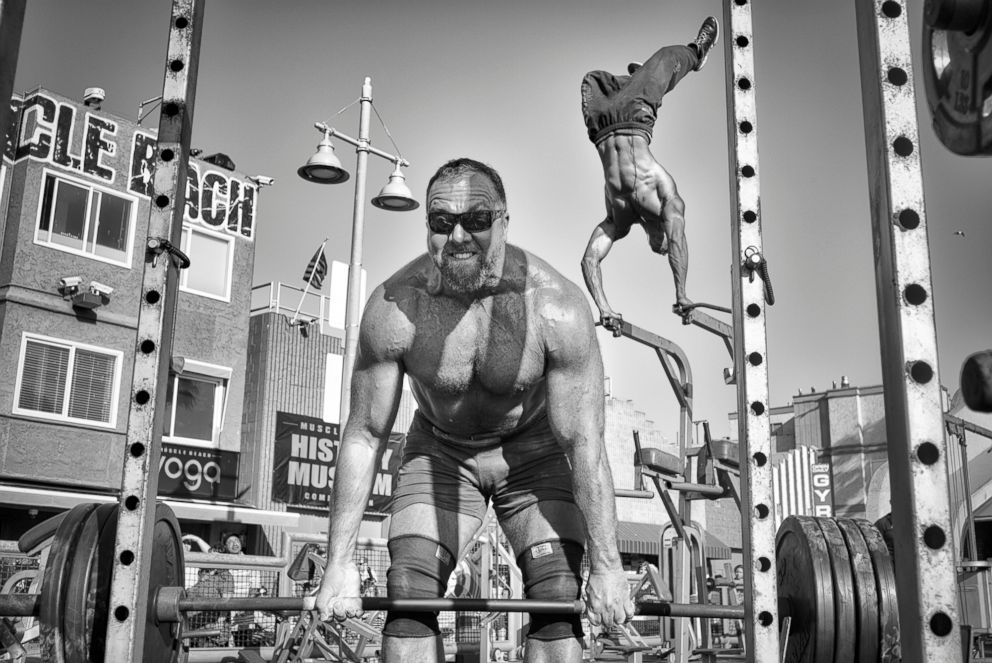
x,y
466,277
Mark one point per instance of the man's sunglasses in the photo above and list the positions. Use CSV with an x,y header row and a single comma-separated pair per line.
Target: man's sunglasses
x,y
475,221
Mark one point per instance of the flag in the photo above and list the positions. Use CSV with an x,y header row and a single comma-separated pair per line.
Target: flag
x,y
317,269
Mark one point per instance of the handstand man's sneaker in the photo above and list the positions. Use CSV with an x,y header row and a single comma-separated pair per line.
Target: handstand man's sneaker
x,y
633,66
708,32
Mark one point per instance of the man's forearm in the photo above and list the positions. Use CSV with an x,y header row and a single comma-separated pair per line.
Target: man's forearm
x,y
593,488
353,479
593,276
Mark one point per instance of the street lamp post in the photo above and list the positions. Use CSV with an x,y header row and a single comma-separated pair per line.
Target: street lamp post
x,y
325,168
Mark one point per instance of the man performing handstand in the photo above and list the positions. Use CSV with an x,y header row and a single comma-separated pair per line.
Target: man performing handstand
x,y
502,358
620,113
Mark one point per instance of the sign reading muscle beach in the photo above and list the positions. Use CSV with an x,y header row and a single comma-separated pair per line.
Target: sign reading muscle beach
x,y
305,457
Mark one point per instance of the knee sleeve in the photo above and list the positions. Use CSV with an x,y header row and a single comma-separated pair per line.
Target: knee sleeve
x,y
419,570
552,572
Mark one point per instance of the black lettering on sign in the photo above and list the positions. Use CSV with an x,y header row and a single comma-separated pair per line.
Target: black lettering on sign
x,y
192,212
9,145
97,145
142,163
61,149
214,199
37,128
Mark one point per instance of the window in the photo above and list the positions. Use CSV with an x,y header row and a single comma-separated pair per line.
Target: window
x,y
67,381
211,259
195,402
81,218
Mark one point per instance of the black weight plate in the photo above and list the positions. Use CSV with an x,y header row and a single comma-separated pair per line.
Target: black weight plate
x,y
55,582
79,610
885,585
955,74
805,581
845,602
863,572
163,642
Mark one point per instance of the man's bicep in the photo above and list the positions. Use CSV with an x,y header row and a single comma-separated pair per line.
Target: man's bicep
x,y
375,395
575,387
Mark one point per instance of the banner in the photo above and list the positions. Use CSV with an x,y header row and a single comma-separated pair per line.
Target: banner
x,y
305,457
209,474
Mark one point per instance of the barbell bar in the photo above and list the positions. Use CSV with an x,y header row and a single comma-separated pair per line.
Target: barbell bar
x,y
171,602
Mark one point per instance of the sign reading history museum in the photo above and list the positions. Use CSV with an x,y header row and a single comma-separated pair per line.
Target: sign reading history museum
x,y
305,458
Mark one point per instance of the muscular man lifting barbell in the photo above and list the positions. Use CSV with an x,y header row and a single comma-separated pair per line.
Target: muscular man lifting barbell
x,y
502,358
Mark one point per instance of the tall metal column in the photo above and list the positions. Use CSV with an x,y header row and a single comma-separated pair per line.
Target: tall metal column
x,y
11,24
153,344
925,570
758,522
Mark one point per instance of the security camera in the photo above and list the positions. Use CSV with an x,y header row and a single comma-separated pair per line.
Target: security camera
x,y
262,180
67,282
100,289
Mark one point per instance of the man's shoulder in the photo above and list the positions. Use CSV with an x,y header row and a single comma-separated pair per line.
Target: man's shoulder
x,y
549,286
406,286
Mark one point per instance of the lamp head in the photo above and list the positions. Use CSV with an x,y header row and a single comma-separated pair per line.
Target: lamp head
x,y
324,167
396,195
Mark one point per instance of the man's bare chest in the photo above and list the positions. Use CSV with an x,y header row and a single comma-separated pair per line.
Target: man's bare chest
x,y
494,347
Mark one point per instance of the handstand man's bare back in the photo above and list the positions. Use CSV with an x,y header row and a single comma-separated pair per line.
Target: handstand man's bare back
x,y
620,112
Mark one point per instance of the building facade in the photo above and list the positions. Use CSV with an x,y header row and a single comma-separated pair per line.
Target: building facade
x,y
76,185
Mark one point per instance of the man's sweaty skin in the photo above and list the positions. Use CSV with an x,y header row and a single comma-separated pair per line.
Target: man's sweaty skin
x,y
491,339
638,191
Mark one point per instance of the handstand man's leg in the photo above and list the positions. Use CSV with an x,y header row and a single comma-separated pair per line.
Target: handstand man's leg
x,y
424,545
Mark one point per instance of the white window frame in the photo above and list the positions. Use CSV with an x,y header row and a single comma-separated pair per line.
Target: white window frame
x,y
199,370
58,175
73,346
188,230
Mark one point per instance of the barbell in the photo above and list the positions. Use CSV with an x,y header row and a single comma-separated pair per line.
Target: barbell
x,y
835,584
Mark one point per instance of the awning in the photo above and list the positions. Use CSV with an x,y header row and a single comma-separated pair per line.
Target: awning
x,y
639,538
64,499
714,547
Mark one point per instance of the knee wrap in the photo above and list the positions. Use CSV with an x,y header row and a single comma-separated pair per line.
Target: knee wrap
x,y
552,572
419,570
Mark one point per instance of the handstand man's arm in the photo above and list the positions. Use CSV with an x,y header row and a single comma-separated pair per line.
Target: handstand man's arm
x,y
375,392
599,246
575,412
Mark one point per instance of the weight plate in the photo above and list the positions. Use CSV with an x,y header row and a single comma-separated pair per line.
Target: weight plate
x,y
863,573
958,80
79,619
163,642
805,582
845,603
55,583
885,585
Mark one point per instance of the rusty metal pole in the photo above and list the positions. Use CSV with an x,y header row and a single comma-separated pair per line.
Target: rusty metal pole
x,y
761,624
926,579
129,604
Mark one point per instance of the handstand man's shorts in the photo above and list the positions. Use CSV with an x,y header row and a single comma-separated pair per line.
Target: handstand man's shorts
x,y
629,104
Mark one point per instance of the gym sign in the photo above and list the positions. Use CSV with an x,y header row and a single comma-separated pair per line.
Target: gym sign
x,y
304,461
819,475
209,474
117,153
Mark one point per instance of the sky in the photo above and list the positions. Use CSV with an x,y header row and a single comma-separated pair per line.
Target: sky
x,y
499,82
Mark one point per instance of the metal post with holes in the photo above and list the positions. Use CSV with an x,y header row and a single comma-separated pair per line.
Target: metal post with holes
x,y
749,301
925,570
11,24
139,483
